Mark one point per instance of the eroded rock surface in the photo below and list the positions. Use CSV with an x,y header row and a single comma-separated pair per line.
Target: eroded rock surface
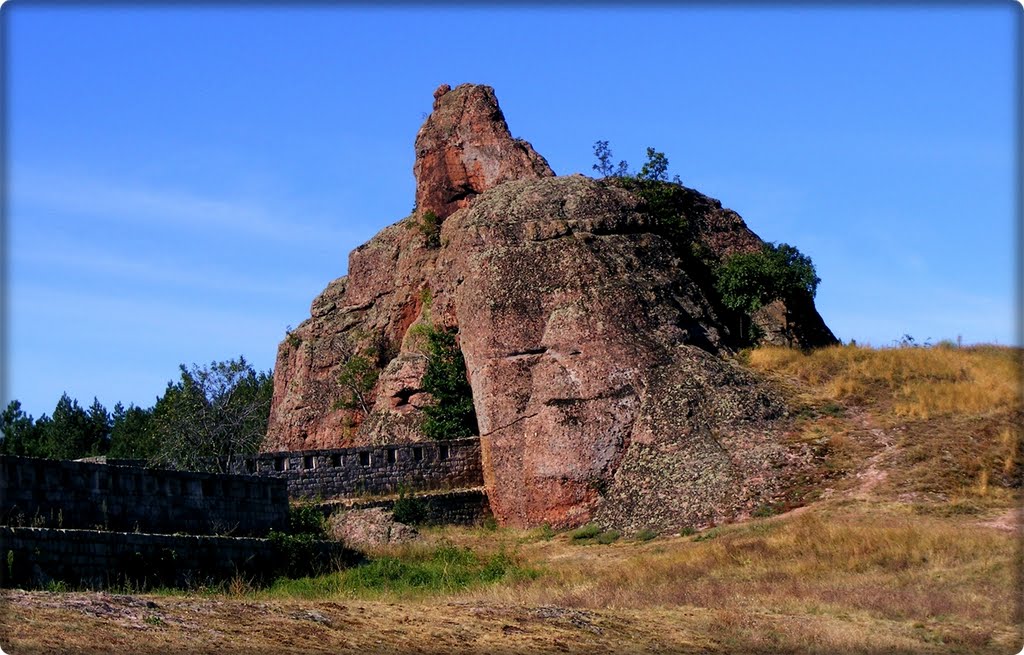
x,y
594,340
465,148
368,314
367,528
593,360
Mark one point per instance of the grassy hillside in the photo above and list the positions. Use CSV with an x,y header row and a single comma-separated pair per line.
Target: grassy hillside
x,y
940,423
907,542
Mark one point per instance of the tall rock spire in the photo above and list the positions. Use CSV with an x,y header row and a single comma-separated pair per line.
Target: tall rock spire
x,y
465,147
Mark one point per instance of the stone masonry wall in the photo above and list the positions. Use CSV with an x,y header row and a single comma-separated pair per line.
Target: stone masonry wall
x,y
62,494
371,470
33,557
458,507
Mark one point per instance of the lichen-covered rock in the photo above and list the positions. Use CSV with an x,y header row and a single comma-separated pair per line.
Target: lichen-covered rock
x,y
397,415
463,149
368,528
590,348
367,313
595,344
707,446
303,415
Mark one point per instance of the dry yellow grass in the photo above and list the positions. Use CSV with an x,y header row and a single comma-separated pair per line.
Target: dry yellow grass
x,y
918,382
950,416
845,578
890,567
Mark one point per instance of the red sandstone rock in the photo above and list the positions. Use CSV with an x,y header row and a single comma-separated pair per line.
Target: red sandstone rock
x,y
587,346
592,342
465,148
370,309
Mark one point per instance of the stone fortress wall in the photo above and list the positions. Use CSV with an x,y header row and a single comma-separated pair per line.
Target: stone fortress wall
x,y
455,507
81,495
95,524
371,470
94,559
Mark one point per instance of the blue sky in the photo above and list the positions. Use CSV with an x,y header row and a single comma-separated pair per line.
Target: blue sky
x,y
182,181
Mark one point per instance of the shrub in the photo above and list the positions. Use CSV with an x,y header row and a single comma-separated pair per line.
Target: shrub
x,y
357,378
645,535
588,531
56,586
489,524
668,205
430,226
748,281
409,510
295,550
295,554
307,519
608,536
655,169
604,161
497,566
293,339
707,536
766,510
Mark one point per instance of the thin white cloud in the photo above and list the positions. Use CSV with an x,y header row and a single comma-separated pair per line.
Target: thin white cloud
x,y
120,201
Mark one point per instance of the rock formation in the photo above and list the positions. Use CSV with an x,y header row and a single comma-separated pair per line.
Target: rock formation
x,y
465,148
591,331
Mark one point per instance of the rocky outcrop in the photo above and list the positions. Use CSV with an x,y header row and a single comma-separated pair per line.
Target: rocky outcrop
x,y
593,355
465,148
591,331
365,314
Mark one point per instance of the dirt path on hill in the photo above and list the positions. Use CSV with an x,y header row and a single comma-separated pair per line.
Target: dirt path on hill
x,y
873,473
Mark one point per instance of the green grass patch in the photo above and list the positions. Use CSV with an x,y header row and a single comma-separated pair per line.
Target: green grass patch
x,y
489,524
591,533
542,533
444,569
588,531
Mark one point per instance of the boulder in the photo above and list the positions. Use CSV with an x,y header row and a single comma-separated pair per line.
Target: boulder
x,y
368,528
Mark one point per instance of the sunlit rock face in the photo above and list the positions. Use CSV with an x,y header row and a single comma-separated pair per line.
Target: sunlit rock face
x,y
593,346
